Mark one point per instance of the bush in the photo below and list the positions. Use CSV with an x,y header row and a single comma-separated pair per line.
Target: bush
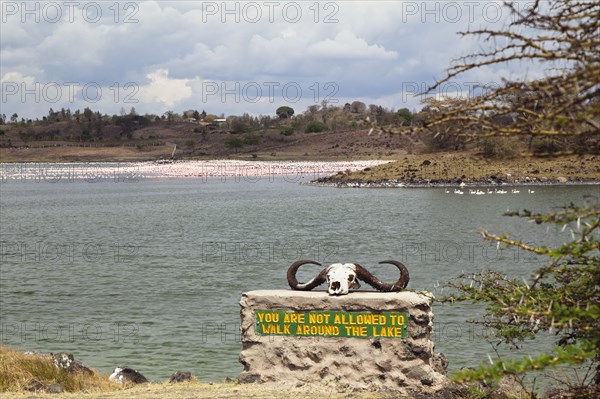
x,y
498,147
251,139
315,127
238,126
234,142
287,131
561,298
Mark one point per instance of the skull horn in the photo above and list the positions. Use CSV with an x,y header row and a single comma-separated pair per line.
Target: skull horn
x,y
379,285
314,282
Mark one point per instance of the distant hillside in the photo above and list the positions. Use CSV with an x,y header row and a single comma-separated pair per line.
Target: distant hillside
x,y
320,133
61,142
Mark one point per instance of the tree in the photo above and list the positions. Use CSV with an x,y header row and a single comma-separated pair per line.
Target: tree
x,y
358,107
234,142
237,125
14,118
284,112
560,35
562,297
404,116
88,114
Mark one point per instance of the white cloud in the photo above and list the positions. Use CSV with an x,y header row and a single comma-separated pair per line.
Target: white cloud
x,y
347,47
163,90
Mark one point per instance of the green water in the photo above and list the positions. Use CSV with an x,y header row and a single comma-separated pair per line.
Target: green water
x,y
149,273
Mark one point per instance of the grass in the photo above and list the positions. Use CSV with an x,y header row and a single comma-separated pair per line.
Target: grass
x,y
18,369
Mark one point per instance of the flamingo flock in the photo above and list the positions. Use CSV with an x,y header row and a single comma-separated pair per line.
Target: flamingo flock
x,y
489,191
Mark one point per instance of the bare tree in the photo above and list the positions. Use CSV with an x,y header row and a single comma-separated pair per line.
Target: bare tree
x,y
561,35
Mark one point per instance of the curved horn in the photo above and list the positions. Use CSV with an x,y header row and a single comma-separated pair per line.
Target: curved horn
x,y
314,282
379,285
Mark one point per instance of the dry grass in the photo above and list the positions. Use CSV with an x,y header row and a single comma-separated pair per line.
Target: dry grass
x,y
18,369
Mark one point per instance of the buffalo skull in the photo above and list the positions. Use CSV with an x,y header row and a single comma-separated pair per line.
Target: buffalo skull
x,y
341,278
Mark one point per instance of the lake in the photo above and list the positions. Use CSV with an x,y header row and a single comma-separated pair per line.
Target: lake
x,y
148,273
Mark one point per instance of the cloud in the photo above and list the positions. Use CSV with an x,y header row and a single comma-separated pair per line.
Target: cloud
x,y
169,49
347,47
163,90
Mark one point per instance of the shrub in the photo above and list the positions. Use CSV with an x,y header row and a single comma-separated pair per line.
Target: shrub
x,y
250,139
315,127
561,298
234,142
498,147
287,131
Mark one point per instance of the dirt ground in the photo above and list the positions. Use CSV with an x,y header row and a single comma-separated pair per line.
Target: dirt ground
x,y
209,391
336,145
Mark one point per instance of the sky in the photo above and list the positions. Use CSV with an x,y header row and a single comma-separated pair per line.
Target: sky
x,y
235,57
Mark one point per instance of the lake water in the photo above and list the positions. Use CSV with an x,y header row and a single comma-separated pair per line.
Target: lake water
x,y
149,273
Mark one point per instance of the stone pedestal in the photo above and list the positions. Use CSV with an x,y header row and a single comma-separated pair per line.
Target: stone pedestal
x,y
377,362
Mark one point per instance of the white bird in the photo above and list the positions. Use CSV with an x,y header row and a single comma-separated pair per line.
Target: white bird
x,y
447,191
530,191
515,191
457,191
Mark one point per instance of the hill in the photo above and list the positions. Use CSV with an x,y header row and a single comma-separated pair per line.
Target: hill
x,y
63,142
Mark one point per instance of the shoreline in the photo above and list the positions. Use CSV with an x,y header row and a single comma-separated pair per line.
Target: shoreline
x,y
332,174
325,182
38,171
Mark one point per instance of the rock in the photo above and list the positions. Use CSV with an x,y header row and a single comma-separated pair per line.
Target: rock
x,y
38,386
440,363
67,361
562,179
249,378
400,364
35,386
55,388
126,374
180,376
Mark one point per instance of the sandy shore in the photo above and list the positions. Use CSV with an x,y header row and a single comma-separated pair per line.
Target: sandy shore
x,y
250,170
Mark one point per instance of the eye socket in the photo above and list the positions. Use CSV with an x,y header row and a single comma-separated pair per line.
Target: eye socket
x,y
350,278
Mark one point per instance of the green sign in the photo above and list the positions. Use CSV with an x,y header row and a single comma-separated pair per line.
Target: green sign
x,y
332,324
